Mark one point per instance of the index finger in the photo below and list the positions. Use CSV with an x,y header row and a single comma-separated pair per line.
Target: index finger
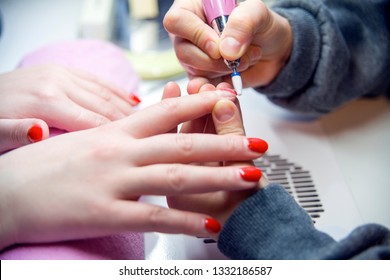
x,y
169,113
186,19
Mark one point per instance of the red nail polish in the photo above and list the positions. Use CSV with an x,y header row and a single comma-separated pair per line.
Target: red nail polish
x,y
134,98
250,173
257,145
212,225
35,133
229,90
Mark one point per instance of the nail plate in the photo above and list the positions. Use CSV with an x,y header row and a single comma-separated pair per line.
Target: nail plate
x,y
226,93
134,98
35,133
257,145
250,174
229,90
212,225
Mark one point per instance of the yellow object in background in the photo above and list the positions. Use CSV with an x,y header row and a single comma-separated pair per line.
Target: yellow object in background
x,y
155,65
145,9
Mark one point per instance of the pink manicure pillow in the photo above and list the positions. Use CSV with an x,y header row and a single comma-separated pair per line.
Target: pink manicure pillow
x,y
108,62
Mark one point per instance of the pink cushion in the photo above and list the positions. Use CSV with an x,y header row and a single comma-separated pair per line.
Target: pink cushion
x,y
108,62
100,58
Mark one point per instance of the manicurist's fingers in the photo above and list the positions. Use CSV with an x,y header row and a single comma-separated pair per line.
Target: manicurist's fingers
x,y
193,27
238,34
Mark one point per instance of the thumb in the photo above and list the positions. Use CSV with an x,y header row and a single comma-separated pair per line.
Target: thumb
x,y
227,118
15,133
247,19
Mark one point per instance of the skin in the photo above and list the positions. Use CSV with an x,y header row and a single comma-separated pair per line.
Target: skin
x,y
88,183
263,41
55,96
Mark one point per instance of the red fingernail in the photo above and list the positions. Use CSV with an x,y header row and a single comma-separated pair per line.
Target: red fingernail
x,y
230,90
35,133
212,225
134,98
250,173
257,145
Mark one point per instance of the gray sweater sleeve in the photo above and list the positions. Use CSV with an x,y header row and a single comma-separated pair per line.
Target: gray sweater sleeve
x,y
271,225
341,51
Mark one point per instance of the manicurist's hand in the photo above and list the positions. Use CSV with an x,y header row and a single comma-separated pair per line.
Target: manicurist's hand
x,y
254,33
45,96
88,183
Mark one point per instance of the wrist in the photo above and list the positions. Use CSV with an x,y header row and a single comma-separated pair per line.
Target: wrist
x,y
7,236
7,222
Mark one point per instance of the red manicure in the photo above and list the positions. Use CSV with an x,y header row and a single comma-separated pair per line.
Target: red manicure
x,y
250,173
134,98
212,225
35,133
257,145
229,90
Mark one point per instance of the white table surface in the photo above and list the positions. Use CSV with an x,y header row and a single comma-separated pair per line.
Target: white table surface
x,y
359,133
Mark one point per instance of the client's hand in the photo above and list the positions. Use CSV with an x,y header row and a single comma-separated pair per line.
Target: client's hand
x,y
87,183
225,120
54,96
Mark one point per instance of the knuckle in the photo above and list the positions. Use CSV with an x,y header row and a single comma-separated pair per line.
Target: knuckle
x,y
17,135
231,129
198,34
175,178
169,105
181,53
47,90
90,121
99,121
105,151
110,112
232,144
104,94
170,20
155,217
184,143
95,209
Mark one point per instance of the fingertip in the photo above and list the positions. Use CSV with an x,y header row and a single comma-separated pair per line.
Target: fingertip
x,y
212,226
196,84
207,87
257,145
45,130
231,48
38,131
224,86
134,99
171,89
